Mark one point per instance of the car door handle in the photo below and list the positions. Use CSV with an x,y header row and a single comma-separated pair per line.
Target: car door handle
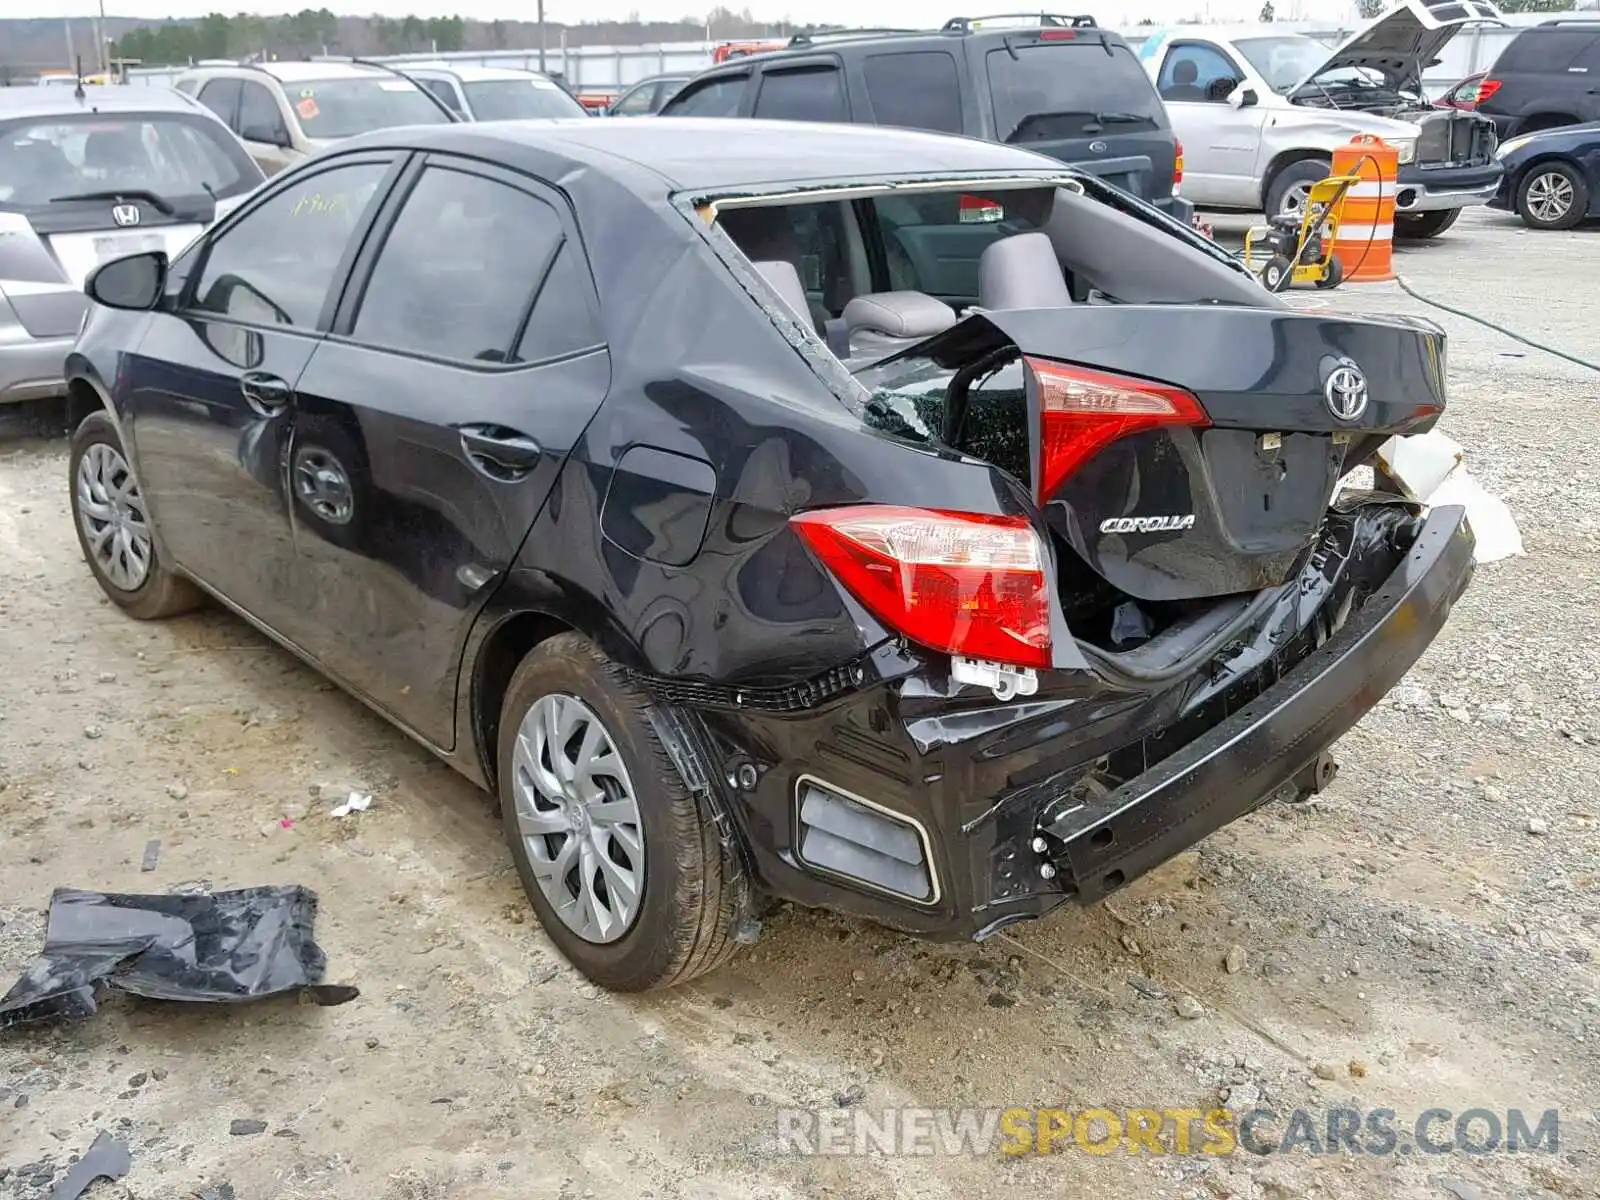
x,y
265,393
500,453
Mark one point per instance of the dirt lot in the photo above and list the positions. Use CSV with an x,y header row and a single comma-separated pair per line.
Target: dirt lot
x,y
1424,936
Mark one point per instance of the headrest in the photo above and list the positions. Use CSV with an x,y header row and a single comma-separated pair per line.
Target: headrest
x,y
899,314
1021,271
785,280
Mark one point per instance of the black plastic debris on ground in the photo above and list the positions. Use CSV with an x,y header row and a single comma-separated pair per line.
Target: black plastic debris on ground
x,y
218,948
106,1159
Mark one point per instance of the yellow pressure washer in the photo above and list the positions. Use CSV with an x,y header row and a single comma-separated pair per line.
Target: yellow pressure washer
x,y
1292,249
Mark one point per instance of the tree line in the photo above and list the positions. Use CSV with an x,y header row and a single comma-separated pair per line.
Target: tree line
x,y
318,31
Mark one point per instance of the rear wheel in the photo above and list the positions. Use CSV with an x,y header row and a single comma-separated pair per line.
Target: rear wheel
x,y
1333,276
1552,196
624,867
114,528
1417,226
1291,187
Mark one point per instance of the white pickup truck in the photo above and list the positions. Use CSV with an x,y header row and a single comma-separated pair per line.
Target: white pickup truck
x,y
1260,110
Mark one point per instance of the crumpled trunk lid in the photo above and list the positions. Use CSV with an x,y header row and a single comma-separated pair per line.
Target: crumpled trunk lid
x,y
1229,503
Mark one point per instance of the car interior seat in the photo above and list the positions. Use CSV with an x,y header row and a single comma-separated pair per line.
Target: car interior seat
x,y
766,235
113,153
1185,82
880,323
1021,271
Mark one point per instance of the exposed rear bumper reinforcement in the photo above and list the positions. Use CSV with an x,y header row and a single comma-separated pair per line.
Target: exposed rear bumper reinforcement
x,y
1244,760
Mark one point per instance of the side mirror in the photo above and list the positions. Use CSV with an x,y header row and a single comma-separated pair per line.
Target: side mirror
x,y
267,135
1243,97
136,283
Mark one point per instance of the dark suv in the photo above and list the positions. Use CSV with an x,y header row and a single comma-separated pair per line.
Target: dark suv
x,y
1059,85
1548,76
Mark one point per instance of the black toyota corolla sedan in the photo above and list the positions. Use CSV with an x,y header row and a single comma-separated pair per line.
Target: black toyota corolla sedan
x,y
885,522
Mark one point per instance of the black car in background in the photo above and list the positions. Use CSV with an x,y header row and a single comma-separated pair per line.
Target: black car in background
x,y
1552,178
1547,77
1058,85
612,462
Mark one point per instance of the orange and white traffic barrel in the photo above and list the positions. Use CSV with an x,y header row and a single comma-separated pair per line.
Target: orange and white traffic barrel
x,y
1365,241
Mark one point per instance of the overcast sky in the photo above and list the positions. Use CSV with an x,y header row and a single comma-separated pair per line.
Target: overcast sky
x,y
855,12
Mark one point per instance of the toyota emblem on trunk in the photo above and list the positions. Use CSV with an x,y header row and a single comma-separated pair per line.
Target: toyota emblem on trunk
x,y
125,214
1345,390
1098,147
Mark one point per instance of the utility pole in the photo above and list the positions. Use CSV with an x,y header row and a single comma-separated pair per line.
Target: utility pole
x,y
541,37
100,39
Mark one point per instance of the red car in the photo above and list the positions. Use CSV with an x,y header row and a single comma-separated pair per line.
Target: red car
x,y
1463,95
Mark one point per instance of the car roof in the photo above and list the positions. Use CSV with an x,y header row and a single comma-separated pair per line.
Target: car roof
x,y
295,72
713,155
466,72
840,40
51,100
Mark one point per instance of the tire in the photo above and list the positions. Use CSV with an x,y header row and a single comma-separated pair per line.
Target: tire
x,y
1296,175
1275,275
1543,187
1417,226
1334,276
98,459
693,891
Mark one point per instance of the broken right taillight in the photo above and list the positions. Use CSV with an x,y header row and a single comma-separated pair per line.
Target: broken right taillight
x,y
1081,412
965,583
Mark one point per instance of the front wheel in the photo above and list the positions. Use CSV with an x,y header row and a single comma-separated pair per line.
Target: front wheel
x,y
626,870
1290,188
1416,226
1552,196
114,528
1275,275
1333,275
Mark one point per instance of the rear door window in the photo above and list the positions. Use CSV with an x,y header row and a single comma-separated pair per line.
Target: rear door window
x,y
1069,90
814,93
460,268
717,97
1548,51
916,90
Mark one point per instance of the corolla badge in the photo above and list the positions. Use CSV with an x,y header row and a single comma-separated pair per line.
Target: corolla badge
x,y
1345,391
1098,147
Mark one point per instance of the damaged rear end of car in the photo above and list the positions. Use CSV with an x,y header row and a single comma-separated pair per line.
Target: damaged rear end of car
x,y
1110,593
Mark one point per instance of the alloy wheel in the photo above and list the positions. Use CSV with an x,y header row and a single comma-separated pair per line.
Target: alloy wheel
x,y
112,516
1549,196
578,816
1294,201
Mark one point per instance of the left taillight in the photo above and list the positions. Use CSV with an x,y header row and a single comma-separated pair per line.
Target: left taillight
x,y
1081,412
1177,168
962,583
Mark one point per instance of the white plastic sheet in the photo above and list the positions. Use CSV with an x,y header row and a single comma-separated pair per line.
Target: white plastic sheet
x,y
1432,469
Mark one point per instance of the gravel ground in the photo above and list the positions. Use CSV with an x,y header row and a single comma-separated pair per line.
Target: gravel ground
x,y
1423,935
